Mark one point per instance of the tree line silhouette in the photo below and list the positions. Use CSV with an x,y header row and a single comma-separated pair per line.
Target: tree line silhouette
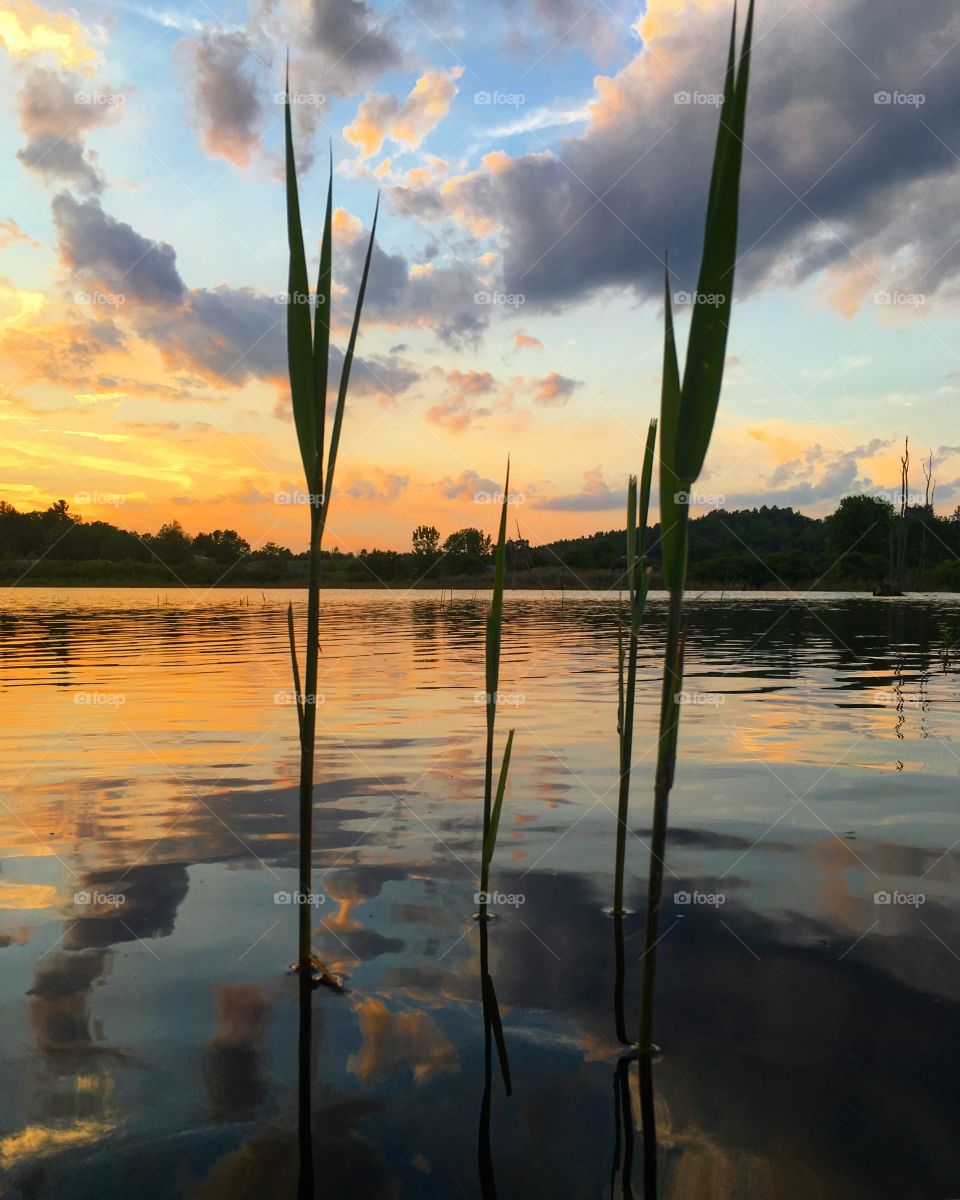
x,y
866,543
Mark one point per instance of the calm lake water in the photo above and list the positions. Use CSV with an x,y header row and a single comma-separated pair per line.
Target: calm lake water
x,y
810,1034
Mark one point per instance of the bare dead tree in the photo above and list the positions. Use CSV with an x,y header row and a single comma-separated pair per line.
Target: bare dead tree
x,y
904,508
931,482
931,487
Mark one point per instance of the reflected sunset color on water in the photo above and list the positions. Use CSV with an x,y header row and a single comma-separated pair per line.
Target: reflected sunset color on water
x,y
809,958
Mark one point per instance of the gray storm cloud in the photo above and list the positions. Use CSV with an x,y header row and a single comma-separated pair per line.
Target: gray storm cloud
x,y
229,105
102,250
852,142
339,47
57,109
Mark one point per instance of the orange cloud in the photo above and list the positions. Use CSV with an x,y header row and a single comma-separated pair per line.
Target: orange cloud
x,y
471,383
346,227
526,341
27,29
849,288
406,122
11,232
375,486
554,390
662,17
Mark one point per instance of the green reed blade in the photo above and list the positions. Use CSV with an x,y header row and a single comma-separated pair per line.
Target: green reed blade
x,y
646,477
642,581
491,805
296,667
495,616
490,841
321,329
687,414
729,85
299,336
627,659
345,372
710,325
673,513
309,363
631,537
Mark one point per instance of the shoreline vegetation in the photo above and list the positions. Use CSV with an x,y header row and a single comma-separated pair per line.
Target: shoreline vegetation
x,y
855,549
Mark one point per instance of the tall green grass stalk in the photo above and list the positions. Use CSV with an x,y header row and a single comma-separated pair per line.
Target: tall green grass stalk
x,y
492,807
638,584
688,411
308,356
492,803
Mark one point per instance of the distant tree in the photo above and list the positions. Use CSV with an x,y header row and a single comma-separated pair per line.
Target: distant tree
x,y
426,540
170,543
57,522
383,564
275,553
469,542
861,523
59,511
466,552
224,546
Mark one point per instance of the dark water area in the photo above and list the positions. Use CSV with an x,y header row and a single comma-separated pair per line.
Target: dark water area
x,y
808,988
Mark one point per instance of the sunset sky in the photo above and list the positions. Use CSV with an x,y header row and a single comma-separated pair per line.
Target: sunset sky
x,y
545,153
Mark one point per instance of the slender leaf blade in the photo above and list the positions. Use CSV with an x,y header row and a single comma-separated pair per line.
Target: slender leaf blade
x,y
641,574
646,477
495,615
321,331
299,334
296,667
490,841
345,370
631,536
710,325
672,511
